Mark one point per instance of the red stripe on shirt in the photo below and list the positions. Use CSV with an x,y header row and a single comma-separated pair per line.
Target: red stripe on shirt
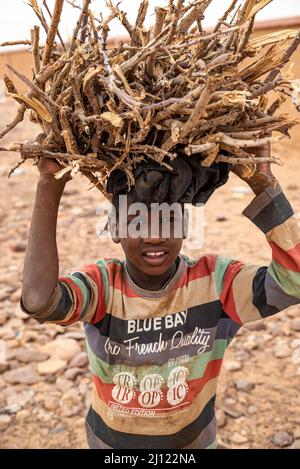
x,y
77,301
204,267
116,280
195,386
227,296
289,259
93,271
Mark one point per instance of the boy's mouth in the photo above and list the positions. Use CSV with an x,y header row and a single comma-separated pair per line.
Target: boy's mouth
x,y
155,256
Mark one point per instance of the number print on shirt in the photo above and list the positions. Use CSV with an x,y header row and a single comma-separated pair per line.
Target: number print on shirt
x,y
123,390
150,394
177,385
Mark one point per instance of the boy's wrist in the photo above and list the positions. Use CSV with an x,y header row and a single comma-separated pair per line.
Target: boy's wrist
x,y
48,180
260,182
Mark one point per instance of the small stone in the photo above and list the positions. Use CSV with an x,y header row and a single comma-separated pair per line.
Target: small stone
x,y
4,422
18,246
63,384
4,294
27,355
2,317
80,360
64,349
244,385
15,297
18,312
221,418
51,366
4,366
70,411
56,430
275,329
282,439
74,335
51,403
252,409
295,344
296,356
295,445
251,343
7,333
20,399
282,350
295,325
11,408
256,326
232,365
22,416
242,355
71,396
296,434
239,439
15,323
231,411
221,219
30,336
22,375
43,416
230,401
266,337
73,372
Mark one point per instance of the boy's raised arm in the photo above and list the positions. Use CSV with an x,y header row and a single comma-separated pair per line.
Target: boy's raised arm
x,y
40,274
249,292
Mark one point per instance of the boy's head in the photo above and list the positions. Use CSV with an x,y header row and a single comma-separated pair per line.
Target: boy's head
x,y
151,235
149,219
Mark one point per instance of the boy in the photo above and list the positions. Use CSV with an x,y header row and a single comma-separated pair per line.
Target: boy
x,y
157,325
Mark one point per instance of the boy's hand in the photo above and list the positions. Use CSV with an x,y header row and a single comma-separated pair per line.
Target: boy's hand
x,y
48,167
263,176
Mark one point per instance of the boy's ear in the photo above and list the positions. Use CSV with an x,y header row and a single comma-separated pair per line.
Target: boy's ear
x,y
186,218
113,227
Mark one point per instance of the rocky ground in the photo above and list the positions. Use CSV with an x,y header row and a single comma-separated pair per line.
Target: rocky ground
x,y
45,380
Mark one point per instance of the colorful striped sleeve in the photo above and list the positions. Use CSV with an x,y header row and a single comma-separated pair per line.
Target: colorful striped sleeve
x,y
249,292
80,296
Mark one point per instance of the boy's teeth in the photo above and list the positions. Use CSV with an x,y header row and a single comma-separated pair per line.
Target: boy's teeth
x,y
154,254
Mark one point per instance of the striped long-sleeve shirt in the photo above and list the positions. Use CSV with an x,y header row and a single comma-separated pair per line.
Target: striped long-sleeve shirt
x,y
155,357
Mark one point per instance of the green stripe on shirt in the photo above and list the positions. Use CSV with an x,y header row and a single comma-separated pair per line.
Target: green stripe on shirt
x,y
197,365
287,280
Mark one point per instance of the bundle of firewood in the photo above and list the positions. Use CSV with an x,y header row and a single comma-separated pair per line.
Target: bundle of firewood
x,y
173,86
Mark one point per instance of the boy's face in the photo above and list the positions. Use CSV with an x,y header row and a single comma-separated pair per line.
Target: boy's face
x,y
152,239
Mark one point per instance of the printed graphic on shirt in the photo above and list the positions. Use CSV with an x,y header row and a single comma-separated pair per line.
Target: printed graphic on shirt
x,y
163,334
152,390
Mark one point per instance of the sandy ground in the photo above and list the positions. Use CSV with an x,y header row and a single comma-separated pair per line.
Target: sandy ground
x,y
265,413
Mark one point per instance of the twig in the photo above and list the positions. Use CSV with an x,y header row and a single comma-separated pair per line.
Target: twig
x,y
160,18
15,43
52,31
245,161
35,39
58,33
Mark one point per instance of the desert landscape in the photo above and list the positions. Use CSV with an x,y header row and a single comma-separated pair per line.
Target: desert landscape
x,y
45,382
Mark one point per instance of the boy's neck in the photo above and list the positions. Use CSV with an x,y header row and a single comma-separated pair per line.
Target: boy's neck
x,y
149,282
